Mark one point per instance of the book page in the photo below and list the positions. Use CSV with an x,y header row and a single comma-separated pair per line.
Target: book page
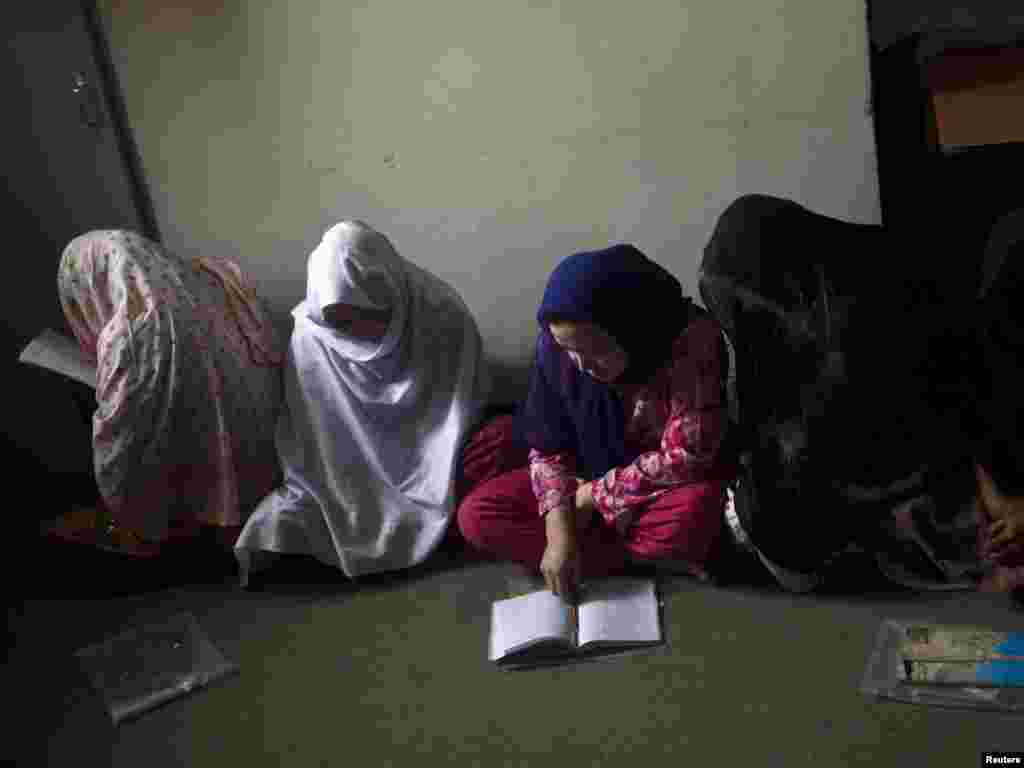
x,y
519,622
619,611
57,352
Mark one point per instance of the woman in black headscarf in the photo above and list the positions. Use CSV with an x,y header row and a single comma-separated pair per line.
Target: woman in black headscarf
x,y
851,375
997,423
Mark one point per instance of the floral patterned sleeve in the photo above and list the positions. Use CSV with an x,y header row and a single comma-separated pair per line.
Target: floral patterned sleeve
x,y
553,477
690,442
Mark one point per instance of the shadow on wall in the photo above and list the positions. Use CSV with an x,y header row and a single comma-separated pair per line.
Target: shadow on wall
x,y
509,382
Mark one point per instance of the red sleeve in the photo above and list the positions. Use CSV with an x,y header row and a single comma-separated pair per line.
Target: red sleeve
x,y
692,436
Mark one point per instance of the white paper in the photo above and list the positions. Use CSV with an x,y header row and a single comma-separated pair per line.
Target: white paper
x,y
521,621
620,611
57,352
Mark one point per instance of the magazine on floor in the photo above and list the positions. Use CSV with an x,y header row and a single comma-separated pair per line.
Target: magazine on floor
x,y
947,665
613,616
946,654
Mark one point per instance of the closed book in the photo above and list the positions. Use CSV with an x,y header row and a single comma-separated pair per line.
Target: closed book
x,y
940,654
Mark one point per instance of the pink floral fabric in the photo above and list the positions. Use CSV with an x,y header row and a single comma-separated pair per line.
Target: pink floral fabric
x,y
188,382
676,421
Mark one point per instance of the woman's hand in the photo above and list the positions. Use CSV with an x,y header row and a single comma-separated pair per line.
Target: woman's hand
x,y
585,498
1004,537
560,564
1006,513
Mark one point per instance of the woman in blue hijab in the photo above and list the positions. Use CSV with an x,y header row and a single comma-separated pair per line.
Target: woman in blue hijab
x,y
625,421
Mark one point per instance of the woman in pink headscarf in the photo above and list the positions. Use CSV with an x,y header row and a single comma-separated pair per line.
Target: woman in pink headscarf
x,y
188,390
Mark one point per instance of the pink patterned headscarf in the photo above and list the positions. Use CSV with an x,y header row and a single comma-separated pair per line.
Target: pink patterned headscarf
x,y
188,382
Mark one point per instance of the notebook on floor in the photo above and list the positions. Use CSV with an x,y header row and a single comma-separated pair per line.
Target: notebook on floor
x,y
147,666
614,616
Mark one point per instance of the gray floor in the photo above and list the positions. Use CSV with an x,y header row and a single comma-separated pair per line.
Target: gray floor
x,y
392,672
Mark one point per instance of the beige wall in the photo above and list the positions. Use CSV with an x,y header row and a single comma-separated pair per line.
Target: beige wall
x,y
489,138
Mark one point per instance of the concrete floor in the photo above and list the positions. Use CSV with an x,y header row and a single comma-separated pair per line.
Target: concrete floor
x,y
393,672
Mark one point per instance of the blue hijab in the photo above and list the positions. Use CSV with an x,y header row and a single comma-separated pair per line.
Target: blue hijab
x,y
642,307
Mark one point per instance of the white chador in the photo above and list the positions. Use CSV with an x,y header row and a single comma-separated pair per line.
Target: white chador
x,y
371,432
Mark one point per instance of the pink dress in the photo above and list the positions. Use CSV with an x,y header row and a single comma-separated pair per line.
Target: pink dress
x,y
677,422
668,504
188,382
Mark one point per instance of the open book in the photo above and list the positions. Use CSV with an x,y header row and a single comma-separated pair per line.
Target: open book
x,y
57,352
613,615
945,654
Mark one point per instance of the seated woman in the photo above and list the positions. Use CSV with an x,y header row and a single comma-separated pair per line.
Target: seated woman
x,y
826,331
997,415
385,380
625,420
188,389
857,377
1001,522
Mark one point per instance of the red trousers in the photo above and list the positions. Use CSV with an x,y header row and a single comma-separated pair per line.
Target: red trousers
x,y
498,517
